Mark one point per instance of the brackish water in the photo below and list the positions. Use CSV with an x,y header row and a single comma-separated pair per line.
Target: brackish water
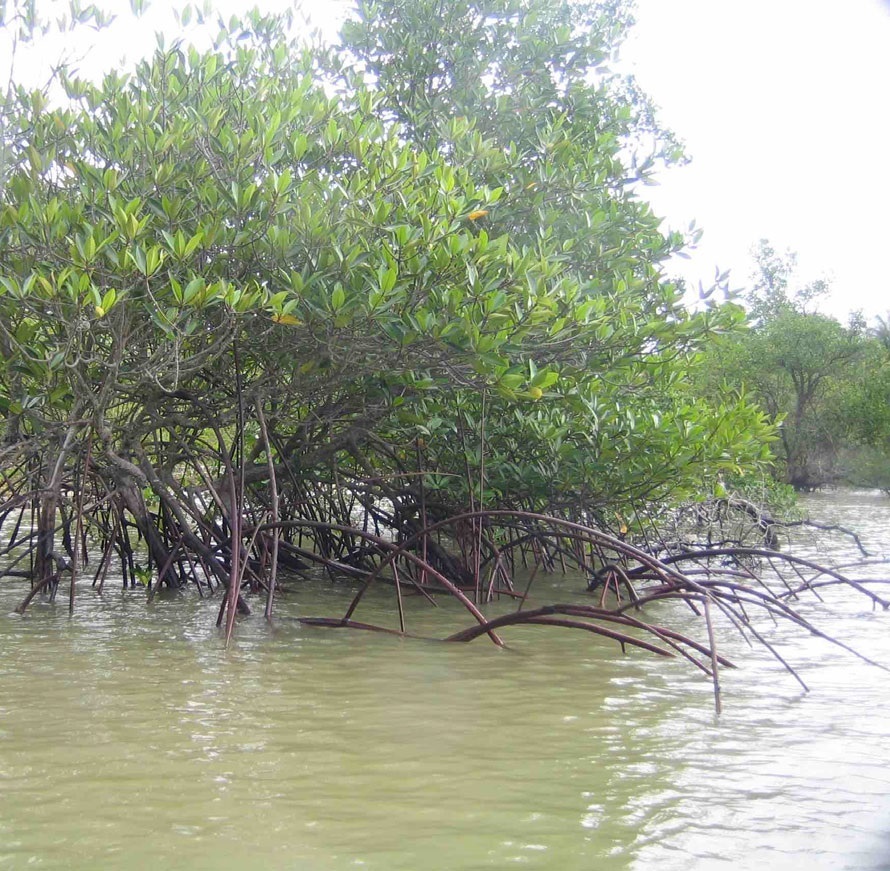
x,y
130,738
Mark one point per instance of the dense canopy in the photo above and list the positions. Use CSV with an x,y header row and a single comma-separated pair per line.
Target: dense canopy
x,y
382,283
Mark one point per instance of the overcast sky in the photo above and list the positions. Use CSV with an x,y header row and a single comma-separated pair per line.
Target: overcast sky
x,y
783,106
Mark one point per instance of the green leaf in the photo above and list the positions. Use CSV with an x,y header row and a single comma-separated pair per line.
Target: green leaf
x,y
338,297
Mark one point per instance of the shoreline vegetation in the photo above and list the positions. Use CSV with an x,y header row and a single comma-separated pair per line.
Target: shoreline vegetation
x,y
393,307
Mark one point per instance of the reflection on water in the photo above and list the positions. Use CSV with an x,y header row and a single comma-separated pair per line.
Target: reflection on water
x,y
130,737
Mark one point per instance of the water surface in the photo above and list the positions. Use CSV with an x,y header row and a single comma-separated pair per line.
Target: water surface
x,y
130,738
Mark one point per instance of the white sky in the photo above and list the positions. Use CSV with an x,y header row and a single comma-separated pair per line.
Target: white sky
x,y
784,106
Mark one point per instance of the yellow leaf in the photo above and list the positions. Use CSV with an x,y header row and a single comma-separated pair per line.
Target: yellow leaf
x,y
479,213
535,392
290,320
100,312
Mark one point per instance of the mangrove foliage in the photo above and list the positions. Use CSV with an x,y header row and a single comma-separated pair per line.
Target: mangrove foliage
x,y
394,307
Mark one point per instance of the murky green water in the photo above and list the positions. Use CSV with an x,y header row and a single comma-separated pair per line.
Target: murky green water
x,y
129,738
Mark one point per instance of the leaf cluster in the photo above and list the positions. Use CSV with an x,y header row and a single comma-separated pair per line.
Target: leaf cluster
x,y
433,236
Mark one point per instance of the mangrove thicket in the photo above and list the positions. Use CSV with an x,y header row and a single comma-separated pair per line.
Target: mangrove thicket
x,y
395,307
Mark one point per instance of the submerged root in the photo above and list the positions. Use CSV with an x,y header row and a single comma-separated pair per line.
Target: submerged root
x,y
232,539
710,581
